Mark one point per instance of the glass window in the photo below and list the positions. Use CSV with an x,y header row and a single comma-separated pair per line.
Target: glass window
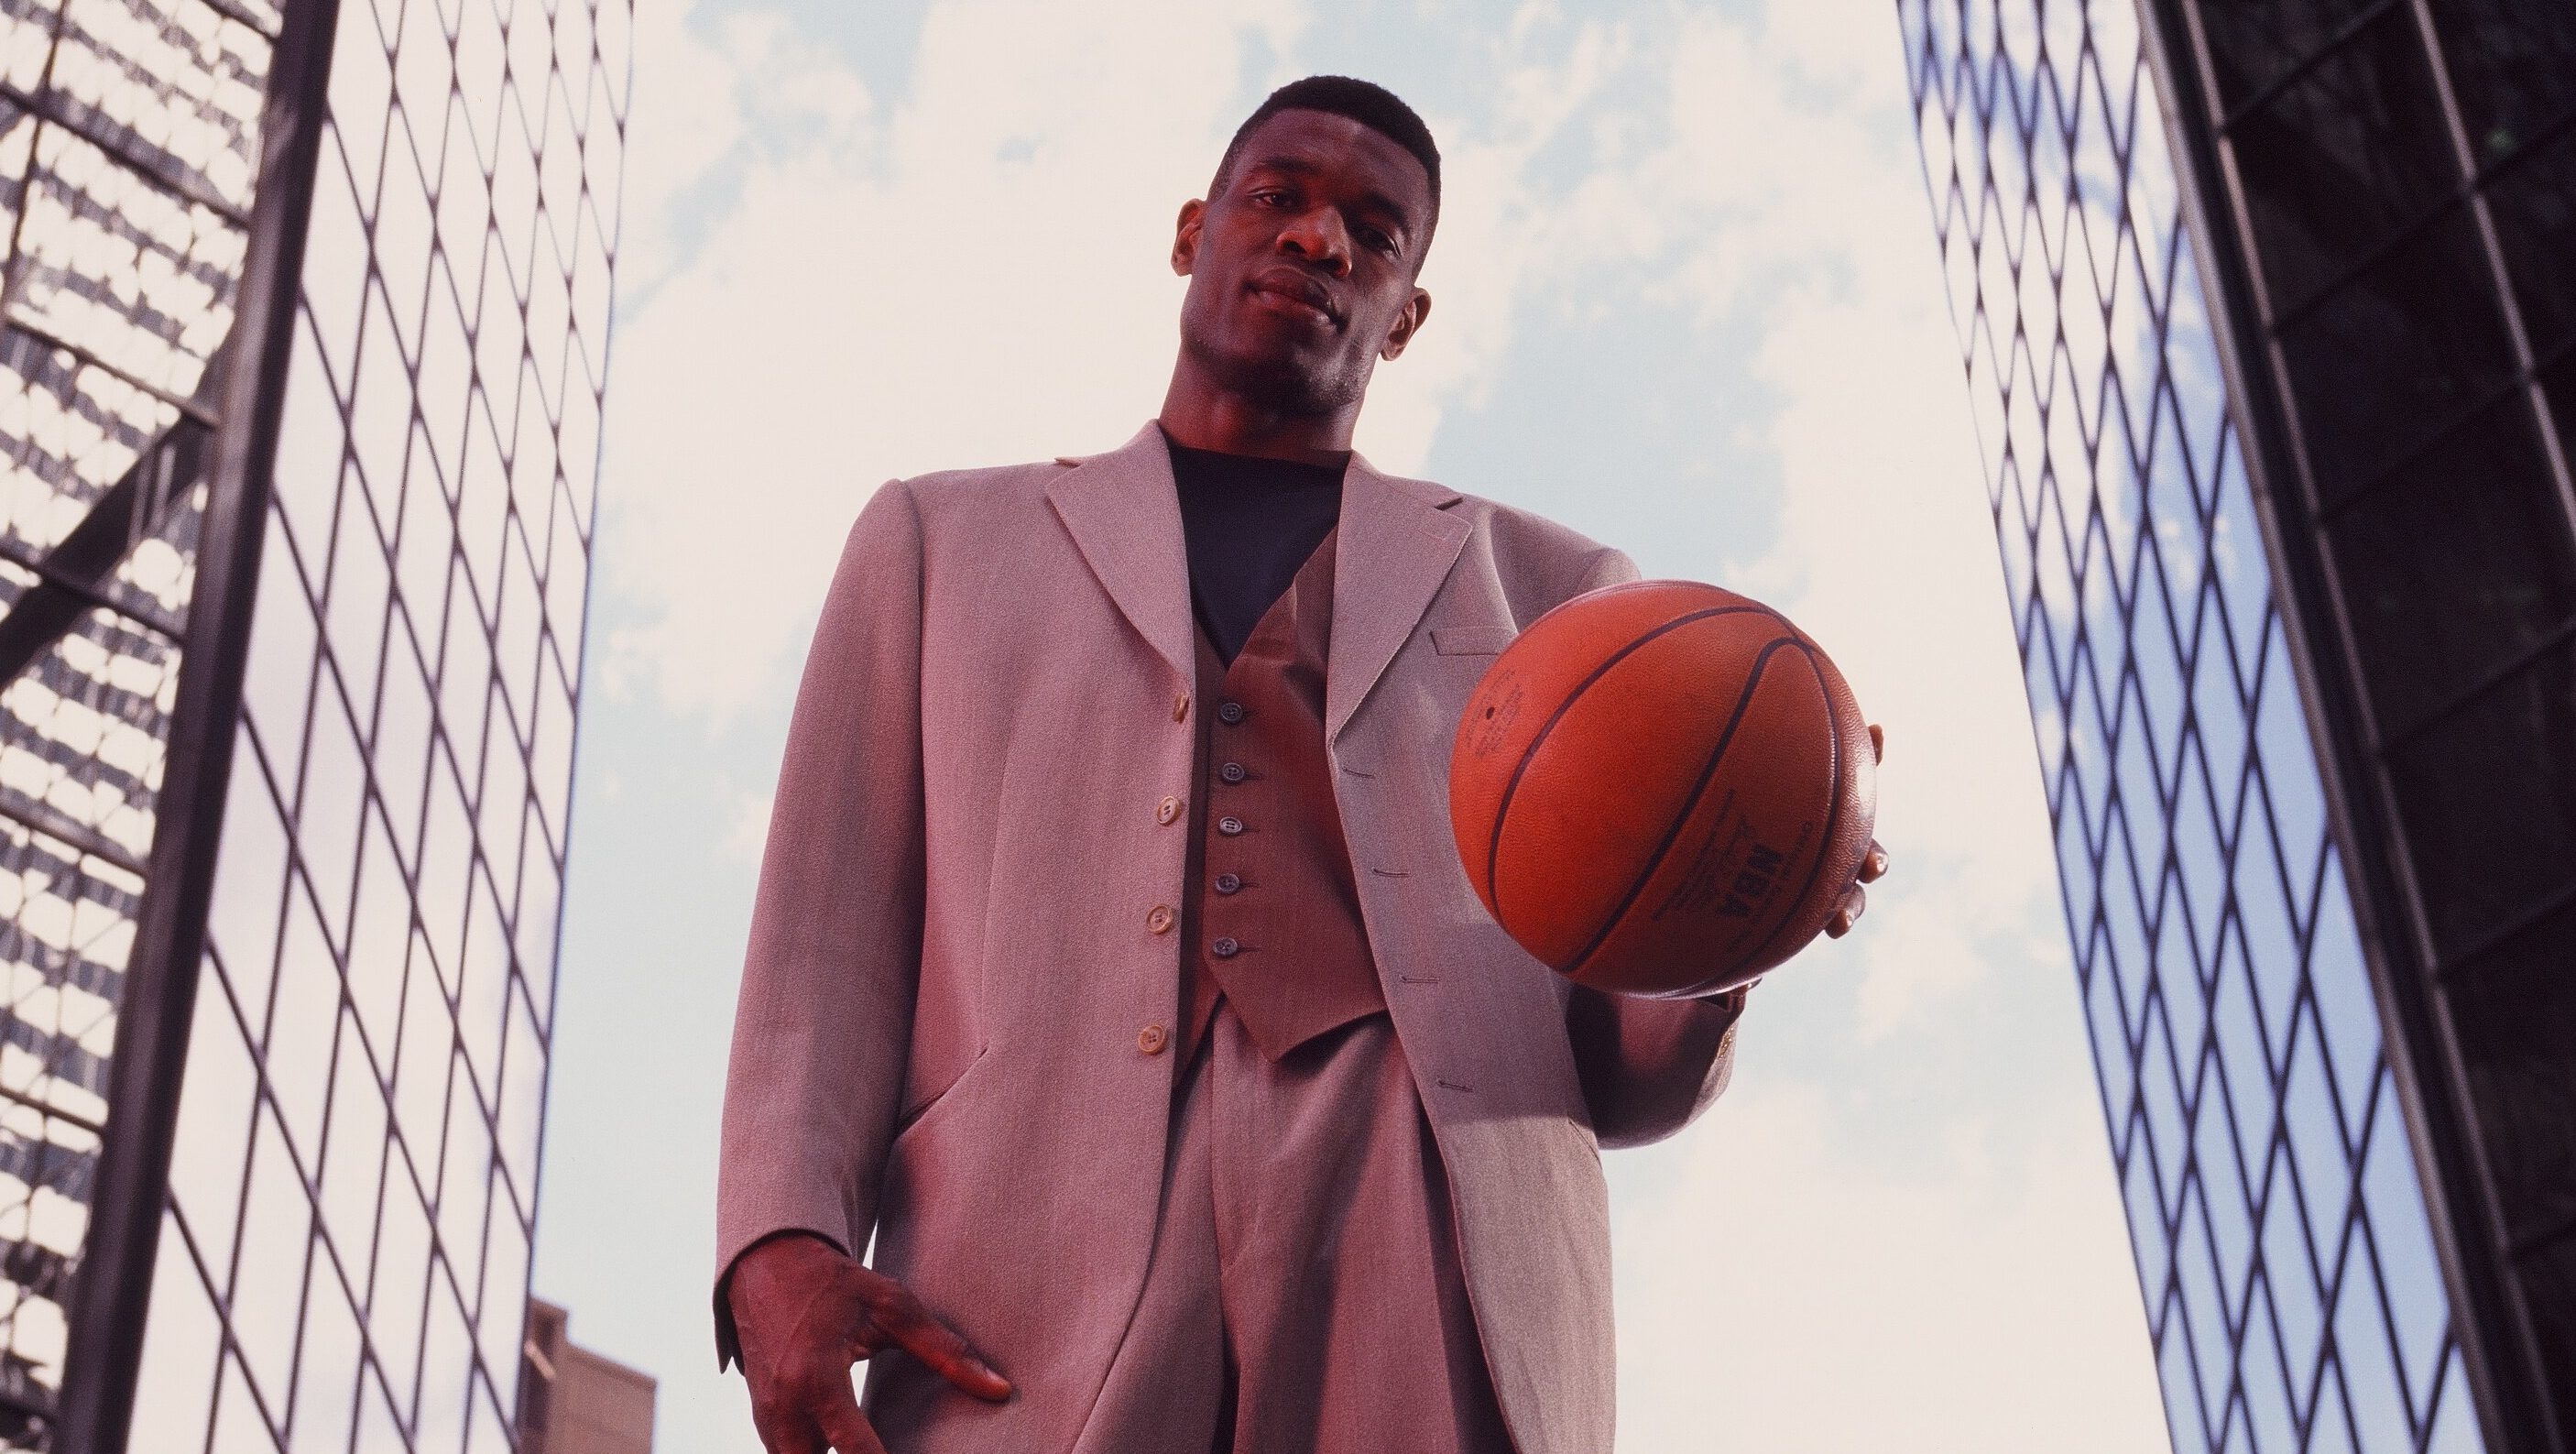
x,y
2455,566
2534,206
361,91
2255,45
2385,364
2487,796
420,1067
180,1340
334,794
2516,1006
353,1156
328,1375
465,1180
302,1019
2512,65
277,1231
213,1136
2354,152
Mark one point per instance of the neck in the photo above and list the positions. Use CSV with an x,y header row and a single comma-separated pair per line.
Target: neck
x,y
1200,415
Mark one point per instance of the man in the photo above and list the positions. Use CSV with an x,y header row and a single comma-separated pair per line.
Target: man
x,y
1112,968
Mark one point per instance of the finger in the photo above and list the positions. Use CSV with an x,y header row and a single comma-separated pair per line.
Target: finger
x,y
1847,913
786,1430
1877,743
942,1348
1873,863
849,1430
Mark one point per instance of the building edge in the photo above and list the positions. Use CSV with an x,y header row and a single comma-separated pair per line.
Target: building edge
x,y
113,1289
2495,1355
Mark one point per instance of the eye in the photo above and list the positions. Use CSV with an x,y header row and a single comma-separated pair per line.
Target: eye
x,y
1379,240
1267,192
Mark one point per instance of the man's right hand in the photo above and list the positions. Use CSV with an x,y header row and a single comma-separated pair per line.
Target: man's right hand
x,y
804,1313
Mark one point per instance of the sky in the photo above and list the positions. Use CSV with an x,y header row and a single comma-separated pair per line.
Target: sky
x,y
1686,300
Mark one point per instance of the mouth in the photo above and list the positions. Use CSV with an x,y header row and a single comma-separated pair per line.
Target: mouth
x,y
1286,291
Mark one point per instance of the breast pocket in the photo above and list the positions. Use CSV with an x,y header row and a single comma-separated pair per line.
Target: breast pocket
x,y
1470,640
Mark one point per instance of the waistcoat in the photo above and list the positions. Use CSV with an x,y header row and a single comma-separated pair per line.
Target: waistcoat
x,y
1272,913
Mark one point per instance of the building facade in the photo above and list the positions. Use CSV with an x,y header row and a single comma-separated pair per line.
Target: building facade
x,y
573,1401
306,314
2270,332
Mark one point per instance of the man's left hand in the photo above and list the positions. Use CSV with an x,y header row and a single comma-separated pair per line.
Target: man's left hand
x,y
1872,864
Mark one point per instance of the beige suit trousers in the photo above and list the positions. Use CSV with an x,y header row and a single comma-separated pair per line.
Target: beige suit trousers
x,y
1304,1293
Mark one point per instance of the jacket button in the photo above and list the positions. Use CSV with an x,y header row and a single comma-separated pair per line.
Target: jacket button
x,y
1232,772
1159,919
1227,883
1229,712
1225,949
1229,825
1152,1039
1166,811
1181,707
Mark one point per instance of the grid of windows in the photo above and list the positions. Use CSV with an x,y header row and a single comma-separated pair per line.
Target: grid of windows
x,y
2393,212
128,142
2280,1231
344,1261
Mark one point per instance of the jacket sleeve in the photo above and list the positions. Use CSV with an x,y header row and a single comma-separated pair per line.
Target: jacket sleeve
x,y
824,1018
1648,1067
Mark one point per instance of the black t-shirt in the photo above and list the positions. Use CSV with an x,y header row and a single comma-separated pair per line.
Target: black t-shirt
x,y
1248,524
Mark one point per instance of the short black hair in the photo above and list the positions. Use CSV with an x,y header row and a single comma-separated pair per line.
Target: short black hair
x,y
1365,102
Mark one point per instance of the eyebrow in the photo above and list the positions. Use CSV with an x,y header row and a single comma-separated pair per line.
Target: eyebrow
x,y
1300,167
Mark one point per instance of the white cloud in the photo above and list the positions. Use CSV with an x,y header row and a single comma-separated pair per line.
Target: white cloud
x,y
974,276
1787,1296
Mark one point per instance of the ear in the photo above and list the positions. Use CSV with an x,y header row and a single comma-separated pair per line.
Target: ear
x,y
1407,322
1185,235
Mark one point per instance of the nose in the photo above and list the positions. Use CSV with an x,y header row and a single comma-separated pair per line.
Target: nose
x,y
1318,234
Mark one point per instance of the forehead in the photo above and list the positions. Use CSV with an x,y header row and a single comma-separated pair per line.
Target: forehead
x,y
1332,147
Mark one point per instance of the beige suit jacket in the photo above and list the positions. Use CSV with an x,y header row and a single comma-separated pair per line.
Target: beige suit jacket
x,y
939,1041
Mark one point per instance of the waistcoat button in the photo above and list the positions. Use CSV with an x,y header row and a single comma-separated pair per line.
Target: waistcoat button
x,y
1232,772
1225,949
1227,883
1230,713
1229,825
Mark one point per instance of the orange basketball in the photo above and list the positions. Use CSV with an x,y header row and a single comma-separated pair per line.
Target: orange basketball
x,y
1662,788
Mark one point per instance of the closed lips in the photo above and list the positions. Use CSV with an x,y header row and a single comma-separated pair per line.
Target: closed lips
x,y
1296,288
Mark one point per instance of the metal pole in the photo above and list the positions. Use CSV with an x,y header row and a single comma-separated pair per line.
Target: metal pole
x,y
114,1286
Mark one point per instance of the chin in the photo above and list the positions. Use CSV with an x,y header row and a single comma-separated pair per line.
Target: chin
x,y
1283,381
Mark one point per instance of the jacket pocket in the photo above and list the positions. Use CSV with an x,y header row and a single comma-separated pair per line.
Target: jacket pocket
x,y
912,1119
1470,640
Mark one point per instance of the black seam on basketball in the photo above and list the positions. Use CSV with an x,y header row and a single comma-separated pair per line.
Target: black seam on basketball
x,y
1833,811
1529,752
1690,805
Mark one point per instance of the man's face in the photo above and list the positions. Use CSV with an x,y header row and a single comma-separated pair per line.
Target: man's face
x,y
1301,267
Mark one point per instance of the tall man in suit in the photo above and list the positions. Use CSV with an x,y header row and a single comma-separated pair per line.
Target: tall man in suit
x,y
1111,967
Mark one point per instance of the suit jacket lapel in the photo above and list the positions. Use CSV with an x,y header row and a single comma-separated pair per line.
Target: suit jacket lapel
x,y
1396,543
1126,520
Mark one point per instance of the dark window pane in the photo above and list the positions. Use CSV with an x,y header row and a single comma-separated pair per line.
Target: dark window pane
x,y
2396,356
2559,384
2353,154
2513,67
2513,1009
2253,44
2456,566
2488,801
2549,1280
2535,215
